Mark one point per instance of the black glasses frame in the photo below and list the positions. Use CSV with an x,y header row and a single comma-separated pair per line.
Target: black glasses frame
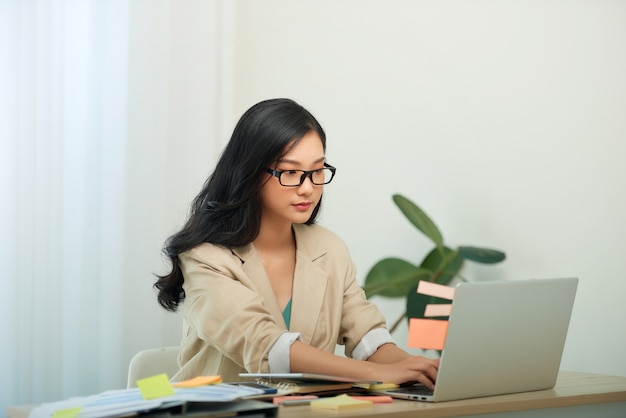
x,y
305,174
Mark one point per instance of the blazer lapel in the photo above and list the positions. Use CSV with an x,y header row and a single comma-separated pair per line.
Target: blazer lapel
x,y
309,285
253,268
309,288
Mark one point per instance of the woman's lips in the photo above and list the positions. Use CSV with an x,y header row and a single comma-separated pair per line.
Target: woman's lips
x,y
302,206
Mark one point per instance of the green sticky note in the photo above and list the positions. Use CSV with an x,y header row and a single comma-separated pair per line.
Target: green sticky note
x,y
155,387
67,413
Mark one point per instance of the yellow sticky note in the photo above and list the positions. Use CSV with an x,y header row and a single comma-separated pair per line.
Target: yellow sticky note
x,y
339,403
425,287
198,381
382,386
438,309
155,387
67,413
427,334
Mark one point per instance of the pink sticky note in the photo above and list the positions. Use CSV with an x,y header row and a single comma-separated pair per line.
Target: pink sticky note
x,y
427,334
438,309
433,289
373,399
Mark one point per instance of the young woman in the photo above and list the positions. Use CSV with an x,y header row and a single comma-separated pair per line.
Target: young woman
x,y
264,288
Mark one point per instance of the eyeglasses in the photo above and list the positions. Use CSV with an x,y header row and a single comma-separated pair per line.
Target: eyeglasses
x,y
294,178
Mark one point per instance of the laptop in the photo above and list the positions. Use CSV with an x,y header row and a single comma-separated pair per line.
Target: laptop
x,y
503,337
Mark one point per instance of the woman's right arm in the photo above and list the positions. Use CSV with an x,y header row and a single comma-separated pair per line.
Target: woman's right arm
x,y
307,359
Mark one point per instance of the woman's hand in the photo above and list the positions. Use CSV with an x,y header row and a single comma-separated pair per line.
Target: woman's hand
x,y
410,369
397,366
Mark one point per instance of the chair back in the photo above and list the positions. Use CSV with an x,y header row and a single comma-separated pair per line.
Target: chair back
x,y
151,362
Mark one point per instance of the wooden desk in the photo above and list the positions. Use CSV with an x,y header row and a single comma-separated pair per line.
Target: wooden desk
x,y
575,395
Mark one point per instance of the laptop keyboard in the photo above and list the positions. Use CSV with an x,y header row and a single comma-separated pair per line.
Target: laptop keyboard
x,y
414,390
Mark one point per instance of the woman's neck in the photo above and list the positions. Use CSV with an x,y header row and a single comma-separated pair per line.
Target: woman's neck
x,y
275,237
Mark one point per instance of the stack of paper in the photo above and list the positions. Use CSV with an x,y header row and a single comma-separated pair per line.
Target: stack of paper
x,y
152,393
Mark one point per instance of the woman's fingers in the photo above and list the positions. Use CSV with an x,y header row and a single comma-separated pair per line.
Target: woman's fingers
x,y
411,369
425,380
426,371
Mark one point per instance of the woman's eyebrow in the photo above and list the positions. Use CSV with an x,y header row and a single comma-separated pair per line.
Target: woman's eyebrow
x,y
288,161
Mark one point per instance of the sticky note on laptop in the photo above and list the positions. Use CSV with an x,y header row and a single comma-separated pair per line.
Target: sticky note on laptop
x,y
427,334
438,309
425,287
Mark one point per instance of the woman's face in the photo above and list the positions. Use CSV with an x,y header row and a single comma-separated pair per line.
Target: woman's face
x,y
294,204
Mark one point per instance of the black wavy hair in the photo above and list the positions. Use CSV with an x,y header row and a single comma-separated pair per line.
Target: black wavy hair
x,y
227,211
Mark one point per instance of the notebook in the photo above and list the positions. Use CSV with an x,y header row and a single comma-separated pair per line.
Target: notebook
x,y
288,383
246,408
503,337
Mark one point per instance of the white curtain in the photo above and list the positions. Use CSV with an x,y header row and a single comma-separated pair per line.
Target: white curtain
x,y
63,163
108,123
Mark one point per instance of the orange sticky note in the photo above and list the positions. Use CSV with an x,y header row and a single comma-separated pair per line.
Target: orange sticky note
x,y
427,334
438,309
437,290
155,387
198,381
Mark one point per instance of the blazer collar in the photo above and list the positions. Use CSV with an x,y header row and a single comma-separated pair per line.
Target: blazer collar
x,y
306,244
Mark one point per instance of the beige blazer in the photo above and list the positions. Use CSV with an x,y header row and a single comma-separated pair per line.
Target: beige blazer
x,y
232,319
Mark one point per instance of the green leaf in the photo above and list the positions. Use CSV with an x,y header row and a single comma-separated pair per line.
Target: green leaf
x,y
416,304
393,277
481,255
445,264
419,218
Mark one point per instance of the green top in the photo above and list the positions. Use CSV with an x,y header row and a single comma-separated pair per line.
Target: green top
x,y
287,313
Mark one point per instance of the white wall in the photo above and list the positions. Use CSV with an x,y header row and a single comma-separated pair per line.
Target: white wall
x,y
504,120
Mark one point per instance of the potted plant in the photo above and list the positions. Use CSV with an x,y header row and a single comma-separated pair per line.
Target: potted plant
x,y
397,278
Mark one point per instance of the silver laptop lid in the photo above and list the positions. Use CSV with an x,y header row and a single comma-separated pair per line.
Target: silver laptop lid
x,y
505,337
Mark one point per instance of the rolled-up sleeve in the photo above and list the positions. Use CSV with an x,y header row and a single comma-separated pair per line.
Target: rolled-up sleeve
x,y
370,343
279,353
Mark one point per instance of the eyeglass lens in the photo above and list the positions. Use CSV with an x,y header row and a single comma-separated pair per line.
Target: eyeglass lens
x,y
296,177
